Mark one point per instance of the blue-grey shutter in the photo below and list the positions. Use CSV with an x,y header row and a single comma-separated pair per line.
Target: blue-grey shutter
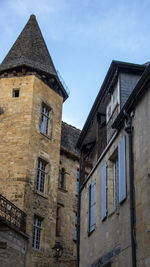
x,y
92,208
89,197
103,191
122,169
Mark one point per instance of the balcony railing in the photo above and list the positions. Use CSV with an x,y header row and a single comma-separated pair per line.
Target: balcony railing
x,y
12,215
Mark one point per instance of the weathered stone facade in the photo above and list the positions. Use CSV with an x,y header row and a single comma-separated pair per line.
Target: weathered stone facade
x,y
115,197
23,144
141,145
13,246
111,233
68,195
30,154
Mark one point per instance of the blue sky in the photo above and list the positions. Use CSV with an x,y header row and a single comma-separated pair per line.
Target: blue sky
x,y
83,37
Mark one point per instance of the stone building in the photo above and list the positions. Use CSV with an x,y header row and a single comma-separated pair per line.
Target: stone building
x,y
115,196
68,187
31,99
13,237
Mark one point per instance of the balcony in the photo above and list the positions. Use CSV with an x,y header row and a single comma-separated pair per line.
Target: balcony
x,y
11,215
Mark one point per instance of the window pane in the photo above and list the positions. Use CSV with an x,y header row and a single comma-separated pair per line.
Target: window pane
x,y
41,176
61,178
36,239
45,119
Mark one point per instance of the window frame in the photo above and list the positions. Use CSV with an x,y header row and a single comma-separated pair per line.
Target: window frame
x,y
40,174
58,221
37,233
113,102
61,182
16,92
45,119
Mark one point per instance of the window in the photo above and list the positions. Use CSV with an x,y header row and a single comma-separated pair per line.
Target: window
x,y
112,103
37,230
45,119
58,221
113,174
78,182
61,178
15,92
41,175
115,97
91,212
108,112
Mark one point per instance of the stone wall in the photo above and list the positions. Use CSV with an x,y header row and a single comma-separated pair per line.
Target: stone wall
x,y
110,241
141,124
67,201
13,251
22,144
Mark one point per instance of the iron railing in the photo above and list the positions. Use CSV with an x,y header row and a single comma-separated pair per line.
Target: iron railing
x,y
12,215
63,83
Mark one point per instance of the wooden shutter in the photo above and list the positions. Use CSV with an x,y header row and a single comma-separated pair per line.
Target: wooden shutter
x,y
103,192
92,209
122,169
91,206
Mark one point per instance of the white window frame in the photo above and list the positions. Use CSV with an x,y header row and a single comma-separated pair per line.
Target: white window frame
x,y
41,175
112,104
108,111
45,119
37,233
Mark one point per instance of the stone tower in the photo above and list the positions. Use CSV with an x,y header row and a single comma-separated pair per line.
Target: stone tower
x,y
31,98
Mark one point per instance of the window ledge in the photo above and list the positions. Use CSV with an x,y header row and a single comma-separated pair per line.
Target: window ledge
x,y
39,251
41,194
62,189
47,136
114,211
89,233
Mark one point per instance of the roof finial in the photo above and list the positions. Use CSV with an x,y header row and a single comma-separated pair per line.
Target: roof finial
x,y
32,16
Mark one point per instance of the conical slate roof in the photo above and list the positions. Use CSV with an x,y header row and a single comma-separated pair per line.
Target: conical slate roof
x,y
29,50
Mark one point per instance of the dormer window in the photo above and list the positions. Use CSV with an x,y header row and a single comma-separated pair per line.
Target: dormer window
x,y
112,103
115,97
108,112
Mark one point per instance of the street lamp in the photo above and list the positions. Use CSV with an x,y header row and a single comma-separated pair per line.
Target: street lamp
x,y
57,250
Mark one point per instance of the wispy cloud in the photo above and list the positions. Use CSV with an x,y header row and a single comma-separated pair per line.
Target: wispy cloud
x,y
83,37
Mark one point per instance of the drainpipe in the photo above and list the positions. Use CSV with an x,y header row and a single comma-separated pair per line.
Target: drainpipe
x,y
129,131
78,215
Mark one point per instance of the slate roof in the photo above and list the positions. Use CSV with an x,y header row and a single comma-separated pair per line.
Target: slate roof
x,y
29,50
69,137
